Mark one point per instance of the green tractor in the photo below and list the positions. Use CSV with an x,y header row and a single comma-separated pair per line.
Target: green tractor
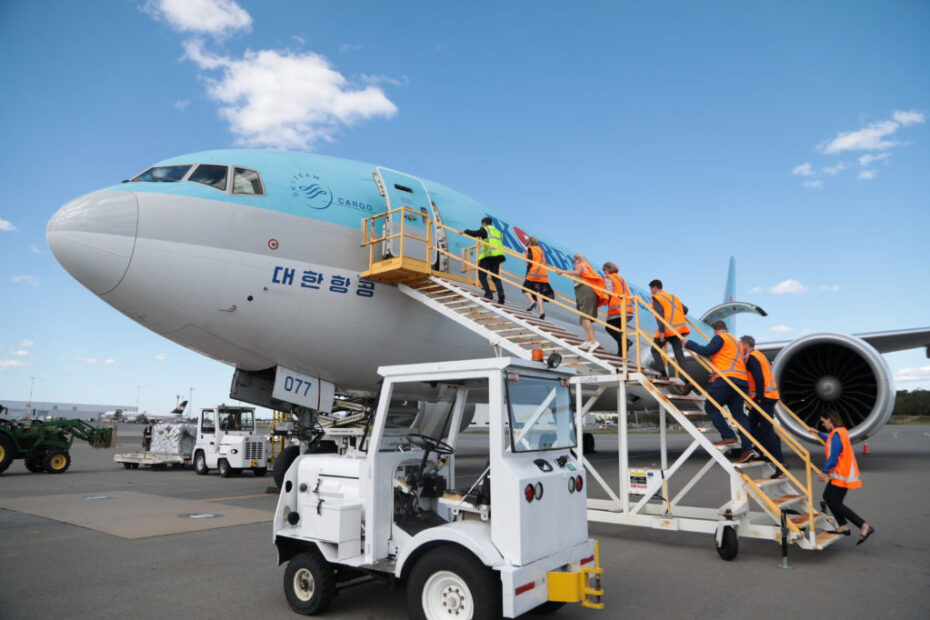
x,y
45,446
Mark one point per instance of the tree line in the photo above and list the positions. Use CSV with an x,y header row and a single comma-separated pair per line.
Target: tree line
x,y
916,402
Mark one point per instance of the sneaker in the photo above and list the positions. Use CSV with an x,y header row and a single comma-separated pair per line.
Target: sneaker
x,y
743,456
725,442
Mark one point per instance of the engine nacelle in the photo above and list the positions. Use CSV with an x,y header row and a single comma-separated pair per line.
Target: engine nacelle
x,y
828,370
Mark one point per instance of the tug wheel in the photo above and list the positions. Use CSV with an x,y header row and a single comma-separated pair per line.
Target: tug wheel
x,y
587,440
57,461
200,464
729,544
450,582
34,464
309,583
224,469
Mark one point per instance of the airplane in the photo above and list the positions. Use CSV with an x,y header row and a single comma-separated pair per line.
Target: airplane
x,y
118,414
253,258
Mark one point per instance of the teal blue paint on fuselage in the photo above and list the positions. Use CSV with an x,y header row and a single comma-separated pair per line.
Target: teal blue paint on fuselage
x,y
341,191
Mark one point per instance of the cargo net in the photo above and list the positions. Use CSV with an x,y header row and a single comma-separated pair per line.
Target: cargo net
x,y
172,438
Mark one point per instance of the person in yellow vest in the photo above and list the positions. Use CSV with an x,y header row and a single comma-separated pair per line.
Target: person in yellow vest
x,y
724,353
670,308
619,306
490,257
537,278
842,471
587,298
764,392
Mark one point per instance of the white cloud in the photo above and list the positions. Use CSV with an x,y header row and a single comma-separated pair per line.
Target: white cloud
x,y
20,352
4,364
829,289
871,138
284,100
791,286
805,170
913,374
86,360
27,343
780,329
111,362
161,357
815,184
835,169
908,117
868,158
756,289
34,249
27,279
6,226
182,104
215,17
867,175
345,48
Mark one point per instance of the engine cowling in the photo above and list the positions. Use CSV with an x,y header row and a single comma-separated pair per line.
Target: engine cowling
x,y
828,370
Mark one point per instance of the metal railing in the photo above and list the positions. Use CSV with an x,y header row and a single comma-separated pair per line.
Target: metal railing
x,y
470,265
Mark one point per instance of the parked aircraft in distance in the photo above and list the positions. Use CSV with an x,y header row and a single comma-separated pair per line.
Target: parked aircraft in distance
x,y
253,258
144,416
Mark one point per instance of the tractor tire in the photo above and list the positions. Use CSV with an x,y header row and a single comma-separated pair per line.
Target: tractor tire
x,y
449,581
7,452
283,462
259,472
57,461
34,464
309,583
224,469
200,464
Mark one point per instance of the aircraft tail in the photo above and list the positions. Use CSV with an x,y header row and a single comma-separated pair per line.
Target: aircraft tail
x,y
180,408
729,294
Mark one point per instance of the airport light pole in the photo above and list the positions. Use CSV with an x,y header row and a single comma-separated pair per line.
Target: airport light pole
x,y
190,399
32,382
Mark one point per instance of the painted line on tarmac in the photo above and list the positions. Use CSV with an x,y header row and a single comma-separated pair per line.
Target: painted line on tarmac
x,y
221,499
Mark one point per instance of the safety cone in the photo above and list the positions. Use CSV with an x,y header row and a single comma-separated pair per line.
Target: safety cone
x,y
865,448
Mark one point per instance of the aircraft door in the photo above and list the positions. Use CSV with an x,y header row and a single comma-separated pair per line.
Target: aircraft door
x,y
402,190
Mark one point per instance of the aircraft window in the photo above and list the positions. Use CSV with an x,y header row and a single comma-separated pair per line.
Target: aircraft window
x,y
163,174
210,174
247,182
403,188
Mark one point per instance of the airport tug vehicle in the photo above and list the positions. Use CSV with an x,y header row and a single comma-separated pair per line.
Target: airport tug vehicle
x,y
228,442
509,538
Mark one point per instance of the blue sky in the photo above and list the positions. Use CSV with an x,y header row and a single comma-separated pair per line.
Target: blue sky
x,y
665,136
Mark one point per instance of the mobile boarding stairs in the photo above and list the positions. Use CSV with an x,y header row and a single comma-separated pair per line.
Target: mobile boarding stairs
x,y
766,501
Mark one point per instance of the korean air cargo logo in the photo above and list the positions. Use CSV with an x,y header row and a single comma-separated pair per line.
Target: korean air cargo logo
x,y
308,189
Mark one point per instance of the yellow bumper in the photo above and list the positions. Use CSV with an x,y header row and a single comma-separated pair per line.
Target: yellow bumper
x,y
579,586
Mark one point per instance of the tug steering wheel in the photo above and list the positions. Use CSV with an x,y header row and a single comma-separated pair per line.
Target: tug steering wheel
x,y
430,444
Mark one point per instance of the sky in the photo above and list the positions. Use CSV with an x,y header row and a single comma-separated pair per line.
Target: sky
x,y
664,136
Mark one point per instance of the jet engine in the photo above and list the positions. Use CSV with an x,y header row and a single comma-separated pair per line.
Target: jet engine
x,y
824,371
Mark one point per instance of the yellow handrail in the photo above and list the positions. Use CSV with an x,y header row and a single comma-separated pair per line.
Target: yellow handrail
x,y
640,335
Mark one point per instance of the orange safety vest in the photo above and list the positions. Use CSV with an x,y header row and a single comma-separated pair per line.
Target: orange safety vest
x,y
595,281
673,311
771,390
846,472
620,302
537,273
728,360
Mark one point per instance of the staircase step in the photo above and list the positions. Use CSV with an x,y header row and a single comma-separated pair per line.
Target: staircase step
x,y
803,521
767,482
825,539
787,500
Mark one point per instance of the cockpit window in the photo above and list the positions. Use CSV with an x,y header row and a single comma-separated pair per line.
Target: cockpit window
x,y
163,174
210,174
247,182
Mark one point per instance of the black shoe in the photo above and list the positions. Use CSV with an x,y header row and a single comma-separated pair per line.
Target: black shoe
x,y
500,299
532,307
488,295
542,317
865,537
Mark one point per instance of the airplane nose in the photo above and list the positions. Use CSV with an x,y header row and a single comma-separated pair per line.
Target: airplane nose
x,y
93,237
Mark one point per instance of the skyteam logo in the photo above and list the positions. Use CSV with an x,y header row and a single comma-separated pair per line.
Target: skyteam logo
x,y
307,188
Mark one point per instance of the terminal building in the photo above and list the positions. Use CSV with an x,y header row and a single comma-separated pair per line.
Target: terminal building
x,y
23,410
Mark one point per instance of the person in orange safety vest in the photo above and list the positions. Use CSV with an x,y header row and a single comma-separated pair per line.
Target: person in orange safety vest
x,y
670,308
619,306
764,392
587,298
842,471
537,278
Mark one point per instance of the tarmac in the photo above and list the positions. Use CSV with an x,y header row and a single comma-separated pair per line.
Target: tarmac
x,y
101,541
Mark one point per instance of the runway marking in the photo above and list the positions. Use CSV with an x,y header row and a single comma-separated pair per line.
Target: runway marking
x,y
221,499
